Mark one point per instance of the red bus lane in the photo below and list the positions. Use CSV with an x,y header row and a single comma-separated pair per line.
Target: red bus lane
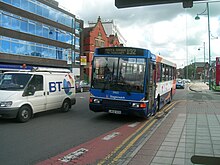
x,y
96,149
110,146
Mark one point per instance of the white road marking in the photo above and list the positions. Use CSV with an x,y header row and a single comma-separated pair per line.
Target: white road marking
x,y
111,136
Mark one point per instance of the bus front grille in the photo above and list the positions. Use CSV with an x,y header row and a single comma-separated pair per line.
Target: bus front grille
x,y
115,104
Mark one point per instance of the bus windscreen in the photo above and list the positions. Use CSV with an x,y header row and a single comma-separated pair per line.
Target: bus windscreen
x,y
119,74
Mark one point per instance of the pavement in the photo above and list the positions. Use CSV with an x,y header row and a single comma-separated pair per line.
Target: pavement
x,y
190,133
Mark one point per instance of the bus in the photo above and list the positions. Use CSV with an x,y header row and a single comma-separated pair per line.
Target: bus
x,y
130,81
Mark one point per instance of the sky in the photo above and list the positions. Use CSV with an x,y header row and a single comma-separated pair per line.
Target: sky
x,y
168,30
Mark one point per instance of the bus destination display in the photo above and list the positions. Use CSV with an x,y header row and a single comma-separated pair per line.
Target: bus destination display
x,y
120,51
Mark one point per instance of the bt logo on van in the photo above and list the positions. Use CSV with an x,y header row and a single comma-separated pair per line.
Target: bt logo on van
x,y
68,83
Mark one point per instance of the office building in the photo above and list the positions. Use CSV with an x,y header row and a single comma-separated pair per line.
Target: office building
x,y
38,33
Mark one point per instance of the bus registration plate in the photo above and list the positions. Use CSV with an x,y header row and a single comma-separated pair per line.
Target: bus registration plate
x,y
114,111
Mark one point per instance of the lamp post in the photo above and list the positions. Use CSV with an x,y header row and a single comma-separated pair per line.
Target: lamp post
x,y
206,12
204,59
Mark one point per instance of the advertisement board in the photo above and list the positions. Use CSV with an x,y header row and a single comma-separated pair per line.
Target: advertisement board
x,y
83,60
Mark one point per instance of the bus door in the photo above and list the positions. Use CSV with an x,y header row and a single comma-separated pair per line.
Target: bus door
x,y
151,84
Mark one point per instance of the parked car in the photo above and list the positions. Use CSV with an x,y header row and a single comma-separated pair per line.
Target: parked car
x,y
180,84
82,85
187,81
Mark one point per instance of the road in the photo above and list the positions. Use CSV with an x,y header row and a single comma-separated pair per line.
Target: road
x,y
51,133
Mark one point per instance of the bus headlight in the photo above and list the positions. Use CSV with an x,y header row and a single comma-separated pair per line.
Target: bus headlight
x,y
139,105
97,101
5,103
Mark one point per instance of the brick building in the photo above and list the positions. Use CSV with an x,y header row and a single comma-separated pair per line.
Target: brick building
x,y
95,37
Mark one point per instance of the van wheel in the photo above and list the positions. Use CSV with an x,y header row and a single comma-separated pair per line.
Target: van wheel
x,y
66,106
24,114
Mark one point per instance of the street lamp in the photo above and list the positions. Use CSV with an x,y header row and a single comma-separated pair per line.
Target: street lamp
x,y
206,12
204,59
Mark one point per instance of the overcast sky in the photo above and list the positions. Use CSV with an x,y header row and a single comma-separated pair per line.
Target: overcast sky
x,y
167,29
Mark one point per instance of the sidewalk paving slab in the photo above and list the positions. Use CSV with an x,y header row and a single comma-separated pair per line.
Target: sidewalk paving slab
x,y
192,128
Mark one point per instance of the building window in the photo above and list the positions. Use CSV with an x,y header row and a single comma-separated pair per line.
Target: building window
x,y
5,46
31,27
31,6
45,32
7,1
6,21
24,26
16,3
24,5
15,24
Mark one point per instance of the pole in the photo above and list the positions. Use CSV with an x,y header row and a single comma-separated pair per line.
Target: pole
x,y
207,6
204,60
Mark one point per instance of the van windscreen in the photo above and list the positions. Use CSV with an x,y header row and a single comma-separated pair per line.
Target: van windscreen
x,y
14,81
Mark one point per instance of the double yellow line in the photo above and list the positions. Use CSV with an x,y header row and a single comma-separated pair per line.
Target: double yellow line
x,y
148,124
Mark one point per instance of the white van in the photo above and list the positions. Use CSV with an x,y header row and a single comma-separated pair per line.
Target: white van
x,y
23,94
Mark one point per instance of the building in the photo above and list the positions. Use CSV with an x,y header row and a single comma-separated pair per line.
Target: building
x,y
111,29
94,37
38,33
196,71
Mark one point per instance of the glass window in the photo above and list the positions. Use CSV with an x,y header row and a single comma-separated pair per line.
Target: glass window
x,y
163,72
158,68
45,32
32,28
61,36
68,38
38,50
52,52
39,10
15,47
53,15
52,34
24,26
24,4
45,12
7,1
69,21
73,39
39,29
72,23
23,48
77,43
45,52
0,18
61,18
6,21
73,55
5,46
32,48
15,24
37,82
16,3
77,58
1,44
59,53
31,7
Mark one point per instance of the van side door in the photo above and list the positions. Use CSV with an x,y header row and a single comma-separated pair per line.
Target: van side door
x,y
36,94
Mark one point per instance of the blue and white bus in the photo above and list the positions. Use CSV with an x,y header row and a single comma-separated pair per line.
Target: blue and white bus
x,y
127,80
